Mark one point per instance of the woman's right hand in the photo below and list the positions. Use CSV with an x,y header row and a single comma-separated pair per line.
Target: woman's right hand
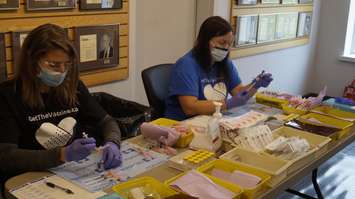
x,y
79,149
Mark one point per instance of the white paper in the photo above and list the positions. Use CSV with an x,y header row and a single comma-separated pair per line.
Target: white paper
x,y
247,29
88,48
286,25
39,190
85,174
271,1
289,1
304,24
22,38
267,27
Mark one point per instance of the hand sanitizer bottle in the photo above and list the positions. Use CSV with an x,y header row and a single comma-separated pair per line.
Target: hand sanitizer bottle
x,y
213,126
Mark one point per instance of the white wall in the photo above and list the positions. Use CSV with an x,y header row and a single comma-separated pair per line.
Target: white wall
x,y
329,70
161,31
292,68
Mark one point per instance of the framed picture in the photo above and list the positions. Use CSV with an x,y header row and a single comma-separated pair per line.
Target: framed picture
x,y
100,4
97,46
266,28
3,74
9,4
304,24
246,2
17,40
270,1
286,26
289,1
247,26
50,4
306,1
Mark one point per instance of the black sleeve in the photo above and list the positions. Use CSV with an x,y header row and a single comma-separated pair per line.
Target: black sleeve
x,y
92,113
12,158
15,160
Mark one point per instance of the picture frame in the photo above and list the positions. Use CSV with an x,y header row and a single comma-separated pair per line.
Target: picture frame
x,y
18,38
287,2
246,2
270,1
286,26
305,2
33,5
3,71
246,30
97,46
100,4
304,24
266,28
9,4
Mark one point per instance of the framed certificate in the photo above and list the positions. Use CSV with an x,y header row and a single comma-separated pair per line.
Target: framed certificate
x,y
286,26
246,2
266,28
17,40
247,26
97,46
3,74
270,1
289,1
306,1
50,4
100,4
304,24
9,4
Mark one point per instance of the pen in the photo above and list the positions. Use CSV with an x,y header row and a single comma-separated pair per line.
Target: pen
x,y
54,186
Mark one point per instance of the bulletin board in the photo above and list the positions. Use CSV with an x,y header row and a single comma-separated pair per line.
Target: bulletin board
x,y
272,15
22,20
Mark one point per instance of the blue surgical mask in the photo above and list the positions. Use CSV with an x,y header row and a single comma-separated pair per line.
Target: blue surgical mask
x,y
219,54
51,78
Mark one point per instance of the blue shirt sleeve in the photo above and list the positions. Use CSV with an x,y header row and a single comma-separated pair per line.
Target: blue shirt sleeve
x,y
184,79
234,79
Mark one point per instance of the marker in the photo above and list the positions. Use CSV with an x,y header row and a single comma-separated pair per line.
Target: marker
x,y
54,186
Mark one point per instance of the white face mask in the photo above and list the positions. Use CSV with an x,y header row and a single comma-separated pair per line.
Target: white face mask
x,y
219,54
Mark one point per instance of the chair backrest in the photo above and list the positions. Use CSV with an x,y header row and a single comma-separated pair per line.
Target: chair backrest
x,y
156,85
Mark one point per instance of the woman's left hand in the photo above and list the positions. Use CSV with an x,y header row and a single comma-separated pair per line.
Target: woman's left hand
x,y
111,156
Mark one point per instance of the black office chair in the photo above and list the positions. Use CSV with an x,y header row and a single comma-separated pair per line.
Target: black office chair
x,y
156,85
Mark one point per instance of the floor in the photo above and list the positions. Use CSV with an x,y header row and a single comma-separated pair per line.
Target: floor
x,y
336,177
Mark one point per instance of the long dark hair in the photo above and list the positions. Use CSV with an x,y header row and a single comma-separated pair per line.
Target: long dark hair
x,y
40,41
212,27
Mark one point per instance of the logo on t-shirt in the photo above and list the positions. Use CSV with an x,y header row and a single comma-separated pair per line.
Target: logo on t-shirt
x,y
216,92
51,136
44,116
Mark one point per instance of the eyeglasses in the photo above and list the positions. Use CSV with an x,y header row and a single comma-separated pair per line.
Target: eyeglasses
x,y
56,65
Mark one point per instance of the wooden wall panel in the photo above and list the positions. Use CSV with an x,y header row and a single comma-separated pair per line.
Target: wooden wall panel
x,y
22,20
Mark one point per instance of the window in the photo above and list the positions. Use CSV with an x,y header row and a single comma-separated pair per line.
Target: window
x,y
349,47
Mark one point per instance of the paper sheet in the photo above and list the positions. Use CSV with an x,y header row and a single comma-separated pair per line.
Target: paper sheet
x,y
85,173
39,190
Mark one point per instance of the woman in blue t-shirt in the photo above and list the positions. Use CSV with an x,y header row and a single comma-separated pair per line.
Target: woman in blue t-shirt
x,y
206,74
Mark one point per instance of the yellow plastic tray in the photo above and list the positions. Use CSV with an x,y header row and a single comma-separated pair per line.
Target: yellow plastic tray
x,y
230,186
340,124
123,188
270,101
230,166
277,168
336,113
184,141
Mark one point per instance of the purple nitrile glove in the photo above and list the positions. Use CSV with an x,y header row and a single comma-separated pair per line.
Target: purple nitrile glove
x,y
239,99
79,149
262,80
111,156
